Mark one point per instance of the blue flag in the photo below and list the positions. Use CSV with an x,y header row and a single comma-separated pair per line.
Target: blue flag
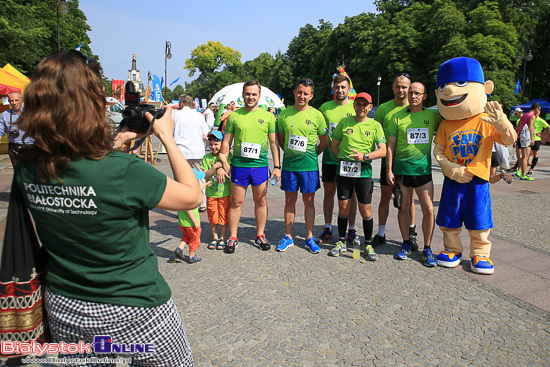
x,y
156,95
517,88
79,46
175,81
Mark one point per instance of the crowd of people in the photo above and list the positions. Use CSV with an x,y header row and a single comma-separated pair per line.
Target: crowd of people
x,y
400,134
111,269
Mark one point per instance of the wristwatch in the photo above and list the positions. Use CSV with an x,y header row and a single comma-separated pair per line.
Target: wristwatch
x,y
276,167
365,157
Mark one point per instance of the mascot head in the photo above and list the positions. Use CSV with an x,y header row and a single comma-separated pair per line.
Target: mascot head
x,y
461,88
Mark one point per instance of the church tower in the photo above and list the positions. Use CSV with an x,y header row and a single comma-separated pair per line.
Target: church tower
x,y
133,76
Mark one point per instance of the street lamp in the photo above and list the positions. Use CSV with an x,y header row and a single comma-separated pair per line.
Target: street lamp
x,y
167,56
527,57
63,8
378,84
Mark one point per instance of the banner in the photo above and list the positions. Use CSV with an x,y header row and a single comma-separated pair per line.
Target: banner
x,y
118,89
156,94
517,88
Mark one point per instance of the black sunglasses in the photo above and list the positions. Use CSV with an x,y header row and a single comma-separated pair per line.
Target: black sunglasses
x,y
304,81
406,75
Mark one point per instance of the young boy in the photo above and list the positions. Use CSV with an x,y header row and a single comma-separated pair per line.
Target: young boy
x,y
218,194
190,224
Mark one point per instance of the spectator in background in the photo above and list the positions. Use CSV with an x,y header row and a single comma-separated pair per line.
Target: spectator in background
x,y
229,108
9,126
190,131
209,116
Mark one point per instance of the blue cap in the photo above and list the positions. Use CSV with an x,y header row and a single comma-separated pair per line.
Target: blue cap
x,y
199,174
460,69
217,134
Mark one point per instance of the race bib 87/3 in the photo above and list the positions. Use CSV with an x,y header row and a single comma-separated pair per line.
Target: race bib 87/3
x,y
418,136
297,142
250,150
350,169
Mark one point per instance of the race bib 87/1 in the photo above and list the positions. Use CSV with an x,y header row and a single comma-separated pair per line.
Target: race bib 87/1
x,y
250,150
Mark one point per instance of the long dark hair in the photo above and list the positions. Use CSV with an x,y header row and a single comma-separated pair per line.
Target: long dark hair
x,y
65,113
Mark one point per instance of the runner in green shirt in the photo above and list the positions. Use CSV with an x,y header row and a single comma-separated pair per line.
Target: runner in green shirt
x,y
297,130
251,127
410,135
356,141
383,115
541,128
334,111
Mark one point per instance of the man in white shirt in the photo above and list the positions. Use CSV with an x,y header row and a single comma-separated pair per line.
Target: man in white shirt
x,y
209,116
190,131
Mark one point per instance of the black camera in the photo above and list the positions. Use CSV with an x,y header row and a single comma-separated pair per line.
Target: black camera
x,y
133,116
14,133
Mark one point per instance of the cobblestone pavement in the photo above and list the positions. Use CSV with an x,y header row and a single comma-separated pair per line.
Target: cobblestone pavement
x,y
255,308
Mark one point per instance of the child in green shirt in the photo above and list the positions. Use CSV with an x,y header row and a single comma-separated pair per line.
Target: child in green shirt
x,y
218,194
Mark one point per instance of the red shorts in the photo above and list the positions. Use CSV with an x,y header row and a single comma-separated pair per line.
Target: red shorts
x,y
191,236
217,209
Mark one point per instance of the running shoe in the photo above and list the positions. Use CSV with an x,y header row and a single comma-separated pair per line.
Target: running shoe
x,y
505,176
448,259
351,236
378,240
428,258
284,244
262,243
338,249
369,253
231,245
404,252
530,172
518,173
526,178
326,235
481,265
311,244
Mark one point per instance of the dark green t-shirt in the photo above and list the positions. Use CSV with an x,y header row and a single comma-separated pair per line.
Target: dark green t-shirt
x,y
414,133
95,227
250,136
383,115
362,137
333,113
301,129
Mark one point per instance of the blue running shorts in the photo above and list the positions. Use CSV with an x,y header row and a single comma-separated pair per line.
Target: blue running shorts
x,y
468,203
245,176
307,181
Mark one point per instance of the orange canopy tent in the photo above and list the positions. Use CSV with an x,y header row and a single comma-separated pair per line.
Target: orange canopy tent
x,y
11,78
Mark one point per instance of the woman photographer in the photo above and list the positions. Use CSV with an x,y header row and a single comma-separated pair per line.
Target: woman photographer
x,y
90,204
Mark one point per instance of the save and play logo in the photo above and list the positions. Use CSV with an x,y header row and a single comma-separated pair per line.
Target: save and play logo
x,y
104,344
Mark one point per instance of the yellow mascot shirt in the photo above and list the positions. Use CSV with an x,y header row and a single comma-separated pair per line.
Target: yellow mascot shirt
x,y
469,142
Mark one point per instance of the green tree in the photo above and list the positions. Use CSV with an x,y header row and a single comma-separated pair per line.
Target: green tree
x,y
303,57
177,92
166,94
217,65
212,57
28,31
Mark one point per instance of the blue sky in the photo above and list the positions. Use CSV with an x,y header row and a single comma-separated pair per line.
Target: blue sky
x,y
123,27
